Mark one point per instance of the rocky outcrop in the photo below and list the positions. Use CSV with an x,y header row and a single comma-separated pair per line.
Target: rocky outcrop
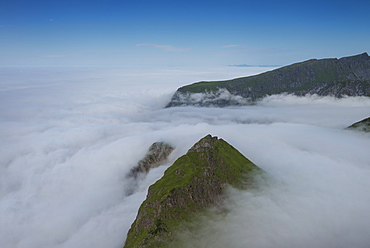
x,y
363,125
348,76
193,184
156,156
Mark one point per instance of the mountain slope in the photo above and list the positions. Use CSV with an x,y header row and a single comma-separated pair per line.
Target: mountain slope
x,y
363,125
193,184
348,76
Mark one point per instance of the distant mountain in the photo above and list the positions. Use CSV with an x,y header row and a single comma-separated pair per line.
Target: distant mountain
x,y
348,76
363,125
193,184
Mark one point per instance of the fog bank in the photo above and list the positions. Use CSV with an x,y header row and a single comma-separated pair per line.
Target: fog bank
x,y
68,138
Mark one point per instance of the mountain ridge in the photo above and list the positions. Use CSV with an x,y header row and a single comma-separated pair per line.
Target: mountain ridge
x,y
194,183
347,76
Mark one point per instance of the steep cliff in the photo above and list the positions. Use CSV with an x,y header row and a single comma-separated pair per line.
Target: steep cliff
x,y
348,76
193,184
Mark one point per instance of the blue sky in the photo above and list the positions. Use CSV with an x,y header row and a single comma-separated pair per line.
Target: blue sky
x,y
179,33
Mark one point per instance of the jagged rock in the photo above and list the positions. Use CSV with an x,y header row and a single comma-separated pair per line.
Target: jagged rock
x,y
348,76
156,156
193,184
363,125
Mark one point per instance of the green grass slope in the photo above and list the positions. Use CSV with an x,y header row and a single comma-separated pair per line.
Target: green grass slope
x,y
193,184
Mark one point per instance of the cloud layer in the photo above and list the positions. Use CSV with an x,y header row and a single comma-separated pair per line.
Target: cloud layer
x,y
69,137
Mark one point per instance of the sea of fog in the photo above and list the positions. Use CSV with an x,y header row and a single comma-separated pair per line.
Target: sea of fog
x,y
69,136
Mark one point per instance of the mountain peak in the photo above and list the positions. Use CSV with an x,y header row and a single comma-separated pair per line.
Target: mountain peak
x,y
193,184
358,57
204,144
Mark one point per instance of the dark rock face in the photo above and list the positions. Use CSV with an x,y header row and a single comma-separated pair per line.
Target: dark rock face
x,y
348,76
363,125
193,184
157,155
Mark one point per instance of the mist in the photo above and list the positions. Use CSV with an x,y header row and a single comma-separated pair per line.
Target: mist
x,y
69,137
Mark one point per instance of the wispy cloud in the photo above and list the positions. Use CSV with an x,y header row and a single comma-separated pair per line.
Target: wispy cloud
x,y
60,55
5,26
230,46
168,48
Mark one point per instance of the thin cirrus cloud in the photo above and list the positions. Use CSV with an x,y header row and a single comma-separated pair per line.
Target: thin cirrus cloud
x,y
168,48
227,46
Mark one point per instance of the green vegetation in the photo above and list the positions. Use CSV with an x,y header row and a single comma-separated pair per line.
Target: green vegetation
x,y
202,87
193,184
348,76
